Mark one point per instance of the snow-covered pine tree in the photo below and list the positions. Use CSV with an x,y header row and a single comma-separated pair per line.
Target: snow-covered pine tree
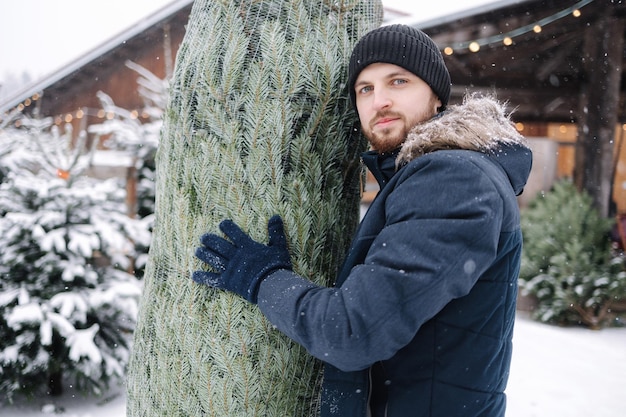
x,y
68,305
258,123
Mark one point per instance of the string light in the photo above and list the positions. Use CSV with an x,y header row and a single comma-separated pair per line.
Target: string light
x,y
507,38
99,113
63,174
28,101
78,114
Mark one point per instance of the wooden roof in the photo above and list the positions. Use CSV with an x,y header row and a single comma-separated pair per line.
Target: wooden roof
x,y
541,73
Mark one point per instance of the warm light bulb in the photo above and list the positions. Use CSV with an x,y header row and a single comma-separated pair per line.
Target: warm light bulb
x,y
519,126
537,29
80,114
474,46
576,13
63,174
448,50
507,41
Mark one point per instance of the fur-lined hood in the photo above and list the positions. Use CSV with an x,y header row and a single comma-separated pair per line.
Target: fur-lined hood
x,y
479,123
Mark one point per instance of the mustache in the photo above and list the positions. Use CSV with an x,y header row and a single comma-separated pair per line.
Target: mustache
x,y
385,114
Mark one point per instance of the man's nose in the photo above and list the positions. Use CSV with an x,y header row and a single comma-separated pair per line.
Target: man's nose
x,y
381,100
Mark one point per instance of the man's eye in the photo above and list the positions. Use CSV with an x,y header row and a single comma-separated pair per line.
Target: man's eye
x,y
399,81
365,89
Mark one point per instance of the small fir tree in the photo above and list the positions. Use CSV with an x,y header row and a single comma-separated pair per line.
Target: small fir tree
x,y
568,263
67,303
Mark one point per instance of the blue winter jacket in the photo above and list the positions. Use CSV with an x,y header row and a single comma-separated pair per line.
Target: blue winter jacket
x,y
420,322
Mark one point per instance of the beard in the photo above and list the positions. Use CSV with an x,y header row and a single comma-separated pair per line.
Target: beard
x,y
389,139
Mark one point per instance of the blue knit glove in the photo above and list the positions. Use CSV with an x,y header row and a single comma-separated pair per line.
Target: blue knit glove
x,y
240,264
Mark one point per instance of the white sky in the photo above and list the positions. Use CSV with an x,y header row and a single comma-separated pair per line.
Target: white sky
x,y
40,36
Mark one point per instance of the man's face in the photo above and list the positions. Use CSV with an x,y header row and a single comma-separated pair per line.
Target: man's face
x,y
390,101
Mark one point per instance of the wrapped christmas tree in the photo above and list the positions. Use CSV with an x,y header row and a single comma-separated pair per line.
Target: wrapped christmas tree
x,y
258,123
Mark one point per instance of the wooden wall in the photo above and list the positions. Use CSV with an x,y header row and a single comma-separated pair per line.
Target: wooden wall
x,y
565,136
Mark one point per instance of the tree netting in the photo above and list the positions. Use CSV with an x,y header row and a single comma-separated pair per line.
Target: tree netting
x,y
258,123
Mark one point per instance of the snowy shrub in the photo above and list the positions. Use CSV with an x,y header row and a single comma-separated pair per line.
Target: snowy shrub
x,y
568,263
68,298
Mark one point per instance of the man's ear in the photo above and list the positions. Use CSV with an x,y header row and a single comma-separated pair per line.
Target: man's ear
x,y
438,106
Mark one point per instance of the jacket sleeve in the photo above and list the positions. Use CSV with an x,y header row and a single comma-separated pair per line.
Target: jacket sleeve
x,y
442,224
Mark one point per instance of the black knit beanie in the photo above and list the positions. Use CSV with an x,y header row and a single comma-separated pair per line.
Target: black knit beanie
x,y
406,47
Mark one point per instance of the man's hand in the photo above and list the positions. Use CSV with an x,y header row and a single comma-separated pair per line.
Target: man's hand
x,y
241,264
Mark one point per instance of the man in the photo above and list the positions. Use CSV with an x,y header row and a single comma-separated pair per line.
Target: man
x,y
421,319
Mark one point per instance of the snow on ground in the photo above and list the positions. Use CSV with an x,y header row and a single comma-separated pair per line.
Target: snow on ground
x,y
71,404
569,372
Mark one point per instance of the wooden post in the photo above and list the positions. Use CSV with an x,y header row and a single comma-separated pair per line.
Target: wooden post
x,y
603,50
131,189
